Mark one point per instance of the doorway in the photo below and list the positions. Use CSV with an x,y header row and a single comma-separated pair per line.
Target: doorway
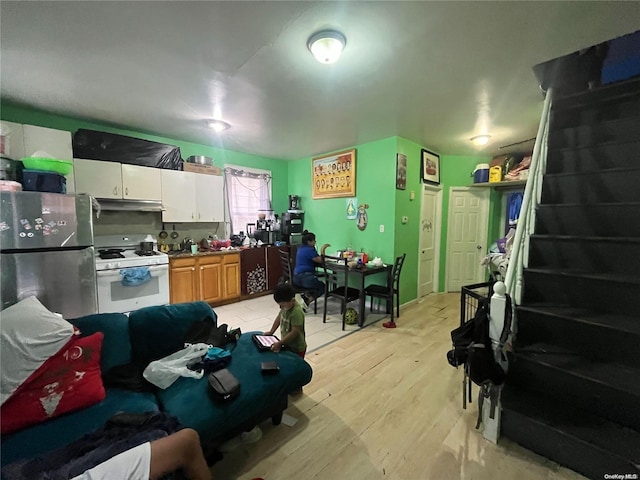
x,y
467,224
429,246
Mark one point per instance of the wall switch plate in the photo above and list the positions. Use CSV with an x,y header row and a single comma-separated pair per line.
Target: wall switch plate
x,y
381,228
405,219
412,195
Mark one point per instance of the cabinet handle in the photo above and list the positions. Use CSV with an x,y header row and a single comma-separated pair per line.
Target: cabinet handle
x,y
193,216
193,269
126,192
198,215
201,268
115,190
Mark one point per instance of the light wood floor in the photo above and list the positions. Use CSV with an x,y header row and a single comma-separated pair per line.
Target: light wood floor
x,y
385,404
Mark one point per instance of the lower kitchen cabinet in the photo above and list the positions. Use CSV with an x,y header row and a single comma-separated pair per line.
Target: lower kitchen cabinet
x,y
260,269
210,278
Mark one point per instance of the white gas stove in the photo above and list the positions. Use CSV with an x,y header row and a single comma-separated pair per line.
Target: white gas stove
x,y
127,277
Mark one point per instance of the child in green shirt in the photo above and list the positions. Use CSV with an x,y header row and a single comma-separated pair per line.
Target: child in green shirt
x,y
290,320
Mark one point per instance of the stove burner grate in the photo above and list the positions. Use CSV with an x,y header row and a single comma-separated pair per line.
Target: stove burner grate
x,y
146,253
111,253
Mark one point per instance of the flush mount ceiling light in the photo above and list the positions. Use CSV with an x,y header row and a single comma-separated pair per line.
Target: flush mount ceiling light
x,y
217,125
327,45
480,139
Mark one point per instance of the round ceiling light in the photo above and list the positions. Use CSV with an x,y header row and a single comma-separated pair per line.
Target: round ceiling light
x,y
327,45
481,140
217,125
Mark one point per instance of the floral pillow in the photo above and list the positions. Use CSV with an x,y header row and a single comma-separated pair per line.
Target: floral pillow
x,y
68,381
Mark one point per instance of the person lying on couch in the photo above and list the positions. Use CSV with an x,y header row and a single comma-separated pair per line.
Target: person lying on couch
x,y
179,451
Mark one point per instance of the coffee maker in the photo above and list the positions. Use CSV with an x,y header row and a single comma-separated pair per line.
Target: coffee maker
x,y
294,203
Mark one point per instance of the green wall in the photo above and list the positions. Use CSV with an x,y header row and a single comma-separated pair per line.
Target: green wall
x,y
279,168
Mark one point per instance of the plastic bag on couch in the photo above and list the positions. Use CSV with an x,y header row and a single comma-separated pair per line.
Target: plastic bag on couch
x,y
162,373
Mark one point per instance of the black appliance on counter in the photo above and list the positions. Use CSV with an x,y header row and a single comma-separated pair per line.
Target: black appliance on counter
x,y
292,226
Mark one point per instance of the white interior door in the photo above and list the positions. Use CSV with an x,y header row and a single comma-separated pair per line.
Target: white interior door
x,y
466,236
429,235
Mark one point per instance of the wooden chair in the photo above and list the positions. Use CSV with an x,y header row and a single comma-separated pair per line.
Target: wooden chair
x,y
286,265
337,285
387,292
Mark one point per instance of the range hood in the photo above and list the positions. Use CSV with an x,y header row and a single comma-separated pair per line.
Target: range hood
x,y
110,204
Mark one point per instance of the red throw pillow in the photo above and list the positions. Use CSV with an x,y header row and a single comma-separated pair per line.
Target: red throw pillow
x,y
67,381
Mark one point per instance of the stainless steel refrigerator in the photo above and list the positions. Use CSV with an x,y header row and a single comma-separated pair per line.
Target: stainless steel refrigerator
x,y
46,250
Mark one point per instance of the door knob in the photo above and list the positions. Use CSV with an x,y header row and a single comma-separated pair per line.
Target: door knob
x,y
479,247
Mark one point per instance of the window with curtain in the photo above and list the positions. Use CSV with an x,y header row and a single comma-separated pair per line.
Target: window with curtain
x,y
248,194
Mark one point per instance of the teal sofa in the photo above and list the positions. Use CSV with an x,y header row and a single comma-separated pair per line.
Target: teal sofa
x,y
152,333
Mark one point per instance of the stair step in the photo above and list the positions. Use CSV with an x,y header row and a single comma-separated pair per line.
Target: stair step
x,y
612,131
600,292
604,337
612,102
592,158
619,255
610,390
604,220
578,440
606,186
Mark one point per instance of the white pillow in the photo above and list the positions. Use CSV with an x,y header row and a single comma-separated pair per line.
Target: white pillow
x,y
30,334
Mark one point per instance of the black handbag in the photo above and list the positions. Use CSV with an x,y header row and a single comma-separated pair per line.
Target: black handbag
x,y
224,385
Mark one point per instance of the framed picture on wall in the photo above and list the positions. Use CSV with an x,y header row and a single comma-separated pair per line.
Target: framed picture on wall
x,y
430,164
334,175
401,171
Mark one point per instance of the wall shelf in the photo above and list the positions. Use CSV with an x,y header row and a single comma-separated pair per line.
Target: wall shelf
x,y
513,185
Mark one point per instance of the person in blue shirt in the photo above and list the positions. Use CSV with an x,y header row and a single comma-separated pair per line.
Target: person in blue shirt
x,y
307,259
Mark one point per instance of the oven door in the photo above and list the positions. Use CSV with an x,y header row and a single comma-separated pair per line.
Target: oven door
x,y
113,296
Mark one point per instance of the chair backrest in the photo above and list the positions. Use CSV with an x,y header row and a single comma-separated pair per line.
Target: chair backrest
x,y
395,273
334,277
285,266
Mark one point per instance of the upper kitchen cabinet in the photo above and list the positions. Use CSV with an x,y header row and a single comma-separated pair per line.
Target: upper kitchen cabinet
x,y
117,180
192,197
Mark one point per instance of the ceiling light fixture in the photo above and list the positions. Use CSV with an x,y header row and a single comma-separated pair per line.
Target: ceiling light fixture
x,y
327,45
480,139
217,125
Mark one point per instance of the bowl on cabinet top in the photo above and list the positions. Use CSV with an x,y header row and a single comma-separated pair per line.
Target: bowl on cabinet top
x,y
200,159
63,167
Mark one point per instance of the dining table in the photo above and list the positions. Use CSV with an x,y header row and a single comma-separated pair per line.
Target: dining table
x,y
361,272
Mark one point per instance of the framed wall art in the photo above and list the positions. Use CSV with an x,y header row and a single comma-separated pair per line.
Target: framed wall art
x,y
430,164
401,171
334,175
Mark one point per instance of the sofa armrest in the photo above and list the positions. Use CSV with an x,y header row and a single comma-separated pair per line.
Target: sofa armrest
x,y
159,331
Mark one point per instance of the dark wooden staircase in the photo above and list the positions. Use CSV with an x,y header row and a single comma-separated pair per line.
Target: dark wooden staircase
x,y
573,389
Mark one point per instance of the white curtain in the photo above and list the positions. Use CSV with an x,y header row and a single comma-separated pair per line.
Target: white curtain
x,y
248,195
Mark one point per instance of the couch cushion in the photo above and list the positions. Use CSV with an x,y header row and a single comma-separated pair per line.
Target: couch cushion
x,y
60,431
159,331
30,334
191,401
116,345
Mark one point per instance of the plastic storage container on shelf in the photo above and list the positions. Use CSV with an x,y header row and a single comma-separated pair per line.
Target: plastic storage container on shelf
x,y
63,167
481,173
39,181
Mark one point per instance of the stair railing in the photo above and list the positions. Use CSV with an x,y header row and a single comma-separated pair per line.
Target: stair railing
x,y
519,258
502,327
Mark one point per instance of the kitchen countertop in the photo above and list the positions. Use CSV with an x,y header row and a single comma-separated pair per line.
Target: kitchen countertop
x,y
202,253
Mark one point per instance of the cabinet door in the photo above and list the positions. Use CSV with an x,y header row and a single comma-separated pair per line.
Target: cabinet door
x,y
178,196
56,143
210,276
209,198
141,183
97,178
231,275
274,267
183,282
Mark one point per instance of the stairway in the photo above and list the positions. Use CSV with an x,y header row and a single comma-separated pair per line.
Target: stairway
x,y
573,389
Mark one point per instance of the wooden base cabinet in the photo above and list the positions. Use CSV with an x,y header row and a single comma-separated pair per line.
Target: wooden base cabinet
x,y
214,279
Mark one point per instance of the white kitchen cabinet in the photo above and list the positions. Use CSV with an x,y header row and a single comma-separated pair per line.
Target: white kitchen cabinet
x,y
178,196
192,197
209,198
97,178
141,183
14,139
114,180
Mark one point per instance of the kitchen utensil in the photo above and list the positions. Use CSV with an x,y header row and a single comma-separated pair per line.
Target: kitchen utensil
x,y
174,234
163,234
63,167
201,159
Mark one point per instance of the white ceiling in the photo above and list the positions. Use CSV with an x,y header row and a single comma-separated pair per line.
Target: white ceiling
x,y
436,73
